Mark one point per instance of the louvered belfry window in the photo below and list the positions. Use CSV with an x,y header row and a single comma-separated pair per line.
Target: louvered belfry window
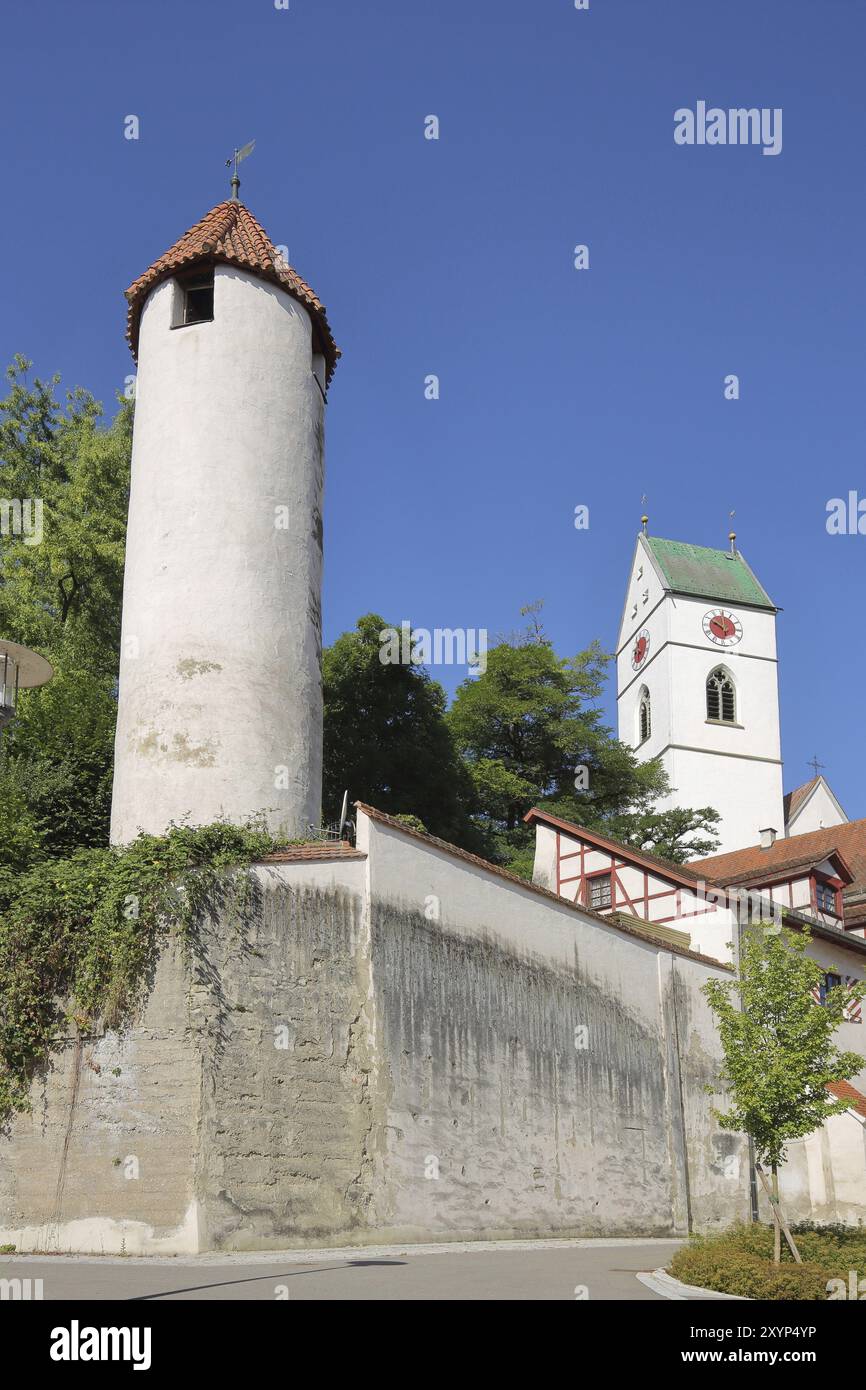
x,y
721,699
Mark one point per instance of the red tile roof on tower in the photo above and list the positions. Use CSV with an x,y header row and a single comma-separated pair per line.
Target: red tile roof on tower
x,y
230,235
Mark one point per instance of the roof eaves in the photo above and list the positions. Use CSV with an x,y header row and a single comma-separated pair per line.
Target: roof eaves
x,y
838,936
782,869
214,240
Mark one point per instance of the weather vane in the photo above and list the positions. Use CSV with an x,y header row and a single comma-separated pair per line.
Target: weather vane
x,y
236,159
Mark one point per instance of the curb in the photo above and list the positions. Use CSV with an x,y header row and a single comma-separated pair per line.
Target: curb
x,y
664,1284
333,1253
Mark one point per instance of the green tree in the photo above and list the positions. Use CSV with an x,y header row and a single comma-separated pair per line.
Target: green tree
x,y
62,596
386,739
778,1045
531,732
677,835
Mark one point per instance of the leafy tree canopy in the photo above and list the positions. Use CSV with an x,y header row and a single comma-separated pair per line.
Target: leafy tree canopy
x,y
386,739
60,592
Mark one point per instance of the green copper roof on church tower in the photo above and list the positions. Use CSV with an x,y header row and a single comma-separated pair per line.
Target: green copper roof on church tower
x,y
702,572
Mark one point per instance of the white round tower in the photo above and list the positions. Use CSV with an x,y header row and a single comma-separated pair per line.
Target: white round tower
x,y
220,696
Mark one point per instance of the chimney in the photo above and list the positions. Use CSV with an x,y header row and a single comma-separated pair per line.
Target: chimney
x,y
768,837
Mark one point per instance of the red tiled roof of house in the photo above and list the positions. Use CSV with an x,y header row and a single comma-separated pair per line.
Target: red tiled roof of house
x,y
849,840
314,850
230,235
843,1090
789,867
792,801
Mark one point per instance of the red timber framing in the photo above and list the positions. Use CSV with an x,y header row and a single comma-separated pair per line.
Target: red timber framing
x,y
582,856
620,900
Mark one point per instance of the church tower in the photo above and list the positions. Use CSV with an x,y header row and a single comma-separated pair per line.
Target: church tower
x,y
697,683
220,696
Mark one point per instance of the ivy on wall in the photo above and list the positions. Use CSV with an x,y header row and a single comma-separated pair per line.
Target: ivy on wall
x,y
79,937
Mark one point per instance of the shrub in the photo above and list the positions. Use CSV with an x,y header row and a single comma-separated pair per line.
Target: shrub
x,y
740,1261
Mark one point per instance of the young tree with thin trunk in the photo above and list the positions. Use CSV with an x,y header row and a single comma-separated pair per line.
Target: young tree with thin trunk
x,y
779,1048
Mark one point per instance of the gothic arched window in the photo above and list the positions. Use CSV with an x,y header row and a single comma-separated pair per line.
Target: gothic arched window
x,y
644,716
721,697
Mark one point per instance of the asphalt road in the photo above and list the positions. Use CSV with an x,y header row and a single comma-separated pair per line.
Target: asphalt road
x,y
520,1271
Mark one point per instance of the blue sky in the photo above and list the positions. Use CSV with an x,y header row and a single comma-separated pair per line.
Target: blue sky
x,y
455,257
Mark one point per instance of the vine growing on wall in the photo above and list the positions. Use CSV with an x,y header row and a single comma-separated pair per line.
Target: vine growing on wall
x,y
79,937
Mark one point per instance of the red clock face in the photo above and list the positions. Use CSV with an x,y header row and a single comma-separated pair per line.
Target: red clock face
x,y
640,648
722,628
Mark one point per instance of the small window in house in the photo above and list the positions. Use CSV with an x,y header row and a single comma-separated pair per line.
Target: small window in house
x,y
829,982
599,891
825,898
644,716
721,699
198,296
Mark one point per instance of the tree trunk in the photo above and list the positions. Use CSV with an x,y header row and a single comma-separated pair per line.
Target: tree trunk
x,y
779,1223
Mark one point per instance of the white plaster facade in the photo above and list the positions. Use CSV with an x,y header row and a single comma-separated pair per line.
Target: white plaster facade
x,y
818,810
220,699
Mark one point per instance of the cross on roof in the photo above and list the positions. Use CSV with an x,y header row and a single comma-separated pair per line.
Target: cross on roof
x,y
813,763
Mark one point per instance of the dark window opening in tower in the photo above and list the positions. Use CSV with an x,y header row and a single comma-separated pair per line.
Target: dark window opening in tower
x,y
721,698
644,716
198,297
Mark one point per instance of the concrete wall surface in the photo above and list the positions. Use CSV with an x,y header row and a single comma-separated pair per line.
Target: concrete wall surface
x,y
401,1045
233,1114
541,1071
